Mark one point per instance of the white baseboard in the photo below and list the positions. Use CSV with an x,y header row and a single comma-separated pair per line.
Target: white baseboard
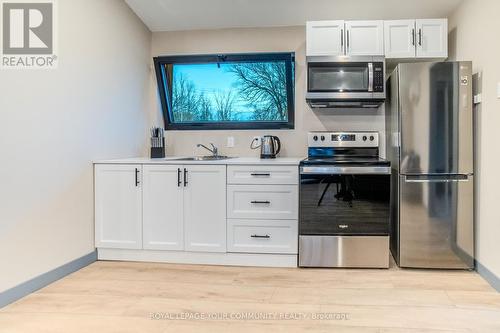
x,y
204,258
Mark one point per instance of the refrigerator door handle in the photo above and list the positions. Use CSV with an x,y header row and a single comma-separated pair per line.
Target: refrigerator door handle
x,y
436,179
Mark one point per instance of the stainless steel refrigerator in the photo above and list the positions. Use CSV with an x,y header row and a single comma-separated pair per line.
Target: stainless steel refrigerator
x,y
429,125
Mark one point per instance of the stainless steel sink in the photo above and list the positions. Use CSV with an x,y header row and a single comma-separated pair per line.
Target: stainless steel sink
x,y
203,158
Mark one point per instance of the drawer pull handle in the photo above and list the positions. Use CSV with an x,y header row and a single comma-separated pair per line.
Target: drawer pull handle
x,y
260,236
343,226
261,174
261,202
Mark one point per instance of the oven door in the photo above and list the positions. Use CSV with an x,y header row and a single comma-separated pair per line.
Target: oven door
x,y
344,201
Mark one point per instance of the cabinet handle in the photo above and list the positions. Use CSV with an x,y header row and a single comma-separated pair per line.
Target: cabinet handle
x,y
261,174
420,37
342,39
136,177
413,37
185,177
179,182
261,202
260,236
348,39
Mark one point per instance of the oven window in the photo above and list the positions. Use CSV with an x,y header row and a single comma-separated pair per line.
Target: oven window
x,y
322,78
344,204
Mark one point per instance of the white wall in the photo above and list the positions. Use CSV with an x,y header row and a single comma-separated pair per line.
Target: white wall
x,y
474,29
53,123
285,39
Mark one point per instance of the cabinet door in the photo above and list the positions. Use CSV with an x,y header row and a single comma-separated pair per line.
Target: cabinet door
x,y
364,38
432,38
325,38
163,227
400,39
118,206
205,208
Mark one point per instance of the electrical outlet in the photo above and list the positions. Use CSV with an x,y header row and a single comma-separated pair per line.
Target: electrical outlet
x,y
230,142
478,99
498,90
256,140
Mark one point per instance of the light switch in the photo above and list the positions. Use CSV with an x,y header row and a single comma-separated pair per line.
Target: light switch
x,y
230,142
498,90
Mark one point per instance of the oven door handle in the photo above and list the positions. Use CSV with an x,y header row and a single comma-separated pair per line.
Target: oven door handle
x,y
370,77
348,170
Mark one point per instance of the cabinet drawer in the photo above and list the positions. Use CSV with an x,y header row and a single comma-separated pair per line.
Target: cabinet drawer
x,y
262,236
262,202
262,174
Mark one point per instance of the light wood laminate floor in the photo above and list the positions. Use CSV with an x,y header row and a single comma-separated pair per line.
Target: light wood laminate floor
x,y
138,297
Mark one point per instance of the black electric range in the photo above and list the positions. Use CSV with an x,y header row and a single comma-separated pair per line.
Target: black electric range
x,y
344,202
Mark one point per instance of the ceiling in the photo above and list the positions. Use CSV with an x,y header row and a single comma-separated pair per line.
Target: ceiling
x,y
171,15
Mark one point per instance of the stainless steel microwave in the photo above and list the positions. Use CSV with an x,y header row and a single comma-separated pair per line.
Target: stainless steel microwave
x,y
345,81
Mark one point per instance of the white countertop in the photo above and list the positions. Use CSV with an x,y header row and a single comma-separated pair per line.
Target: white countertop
x,y
229,161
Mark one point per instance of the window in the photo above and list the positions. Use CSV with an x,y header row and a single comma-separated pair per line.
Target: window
x,y
233,91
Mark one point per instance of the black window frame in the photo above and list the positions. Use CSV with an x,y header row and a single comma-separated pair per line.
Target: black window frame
x,y
161,77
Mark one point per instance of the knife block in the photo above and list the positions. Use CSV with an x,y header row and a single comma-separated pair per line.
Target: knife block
x,y
158,152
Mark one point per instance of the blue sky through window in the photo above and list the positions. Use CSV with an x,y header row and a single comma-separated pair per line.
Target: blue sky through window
x,y
210,80
211,92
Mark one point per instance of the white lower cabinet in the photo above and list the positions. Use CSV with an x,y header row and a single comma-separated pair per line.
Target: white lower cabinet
x,y
262,174
205,208
118,206
210,214
262,236
262,201
161,207
262,209
163,213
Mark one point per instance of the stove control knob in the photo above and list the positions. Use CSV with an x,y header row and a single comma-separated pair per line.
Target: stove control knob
x,y
372,138
364,138
315,138
322,138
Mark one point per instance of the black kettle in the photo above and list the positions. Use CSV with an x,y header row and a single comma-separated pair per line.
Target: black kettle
x,y
270,146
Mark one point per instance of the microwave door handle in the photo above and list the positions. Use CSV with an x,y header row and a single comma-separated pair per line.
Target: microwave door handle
x,y
370,77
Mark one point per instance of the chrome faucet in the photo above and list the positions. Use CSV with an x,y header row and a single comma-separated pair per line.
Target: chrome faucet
x,y
214,150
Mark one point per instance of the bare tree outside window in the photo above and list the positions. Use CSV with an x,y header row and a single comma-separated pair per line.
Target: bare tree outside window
x,y
253,91
263,86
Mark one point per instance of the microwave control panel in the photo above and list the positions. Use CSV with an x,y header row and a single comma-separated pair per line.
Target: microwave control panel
x,y
378,77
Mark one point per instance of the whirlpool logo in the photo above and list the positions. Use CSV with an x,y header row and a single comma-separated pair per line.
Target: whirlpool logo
x,y
28,34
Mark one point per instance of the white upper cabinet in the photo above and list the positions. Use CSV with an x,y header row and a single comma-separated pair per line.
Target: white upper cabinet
x,y
364,38
325,38
163,224
419,39
400,39
432,38
205,208
118,206
336,38
404,39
